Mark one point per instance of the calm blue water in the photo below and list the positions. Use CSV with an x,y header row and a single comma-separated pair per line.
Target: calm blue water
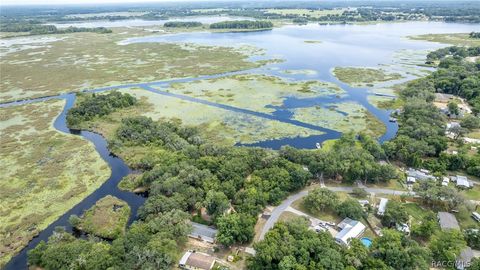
x,y
140,22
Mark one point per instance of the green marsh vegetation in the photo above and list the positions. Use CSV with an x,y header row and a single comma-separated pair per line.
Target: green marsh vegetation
x,y
40,177
457,39
252,91
107,218
215,124
358,119
363,76
87,60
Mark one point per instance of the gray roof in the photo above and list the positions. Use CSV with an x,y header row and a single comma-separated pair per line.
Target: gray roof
x,y
447,221
417,174
204,232
465,256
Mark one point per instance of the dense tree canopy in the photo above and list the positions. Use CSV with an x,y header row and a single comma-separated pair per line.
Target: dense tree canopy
x,y
242,25
179,24
94,105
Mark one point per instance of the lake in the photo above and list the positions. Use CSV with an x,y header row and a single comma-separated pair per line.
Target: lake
x,y
141,22
321,48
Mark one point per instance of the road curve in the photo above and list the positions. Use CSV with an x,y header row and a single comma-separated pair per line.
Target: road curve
x,y
278,210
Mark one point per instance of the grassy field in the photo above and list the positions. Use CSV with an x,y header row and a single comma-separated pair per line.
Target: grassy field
x,y
51,64
107,218
459,39
307,12
44,172
473,193
327,215
358,118
356,76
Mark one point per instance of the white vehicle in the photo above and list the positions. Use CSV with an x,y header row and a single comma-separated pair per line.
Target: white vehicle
x,y
476,216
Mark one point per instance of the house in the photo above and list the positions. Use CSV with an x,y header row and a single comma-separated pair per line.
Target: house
x,y
448,221
476,216
192,260
464,259
462,181
349,229
382,206
202,232
419,174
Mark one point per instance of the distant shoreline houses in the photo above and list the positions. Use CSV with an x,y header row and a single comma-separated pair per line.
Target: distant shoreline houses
x,y
414,176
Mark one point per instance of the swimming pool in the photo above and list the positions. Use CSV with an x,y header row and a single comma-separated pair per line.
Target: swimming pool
x,y
366,241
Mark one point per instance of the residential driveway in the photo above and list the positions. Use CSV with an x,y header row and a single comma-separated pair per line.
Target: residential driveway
x,y
277,211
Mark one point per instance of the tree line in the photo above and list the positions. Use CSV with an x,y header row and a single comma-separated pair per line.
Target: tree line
x,y
182,24
42,29
245,24
421,139
90,106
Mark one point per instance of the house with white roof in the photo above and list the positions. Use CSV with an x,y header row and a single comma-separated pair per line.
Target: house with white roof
x,y
382,206
349,229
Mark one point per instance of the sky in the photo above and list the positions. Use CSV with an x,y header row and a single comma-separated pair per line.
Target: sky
x,y
63,2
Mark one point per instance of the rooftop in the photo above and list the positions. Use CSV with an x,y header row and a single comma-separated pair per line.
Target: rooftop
x,y
462,181
464,258
418,174
203,232
447,221
382,206
197,260
350,229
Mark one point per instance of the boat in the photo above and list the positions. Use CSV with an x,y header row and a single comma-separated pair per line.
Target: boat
x,y
392,119
318,145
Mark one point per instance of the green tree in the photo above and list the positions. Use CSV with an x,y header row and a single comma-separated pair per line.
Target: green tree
x,y
447,245
319,199
350,208
235,228
216,203
472,236
427,227
399,252
470,122
395,213
453,108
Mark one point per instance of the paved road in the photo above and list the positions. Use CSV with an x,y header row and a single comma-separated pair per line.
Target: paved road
x,y
277,211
